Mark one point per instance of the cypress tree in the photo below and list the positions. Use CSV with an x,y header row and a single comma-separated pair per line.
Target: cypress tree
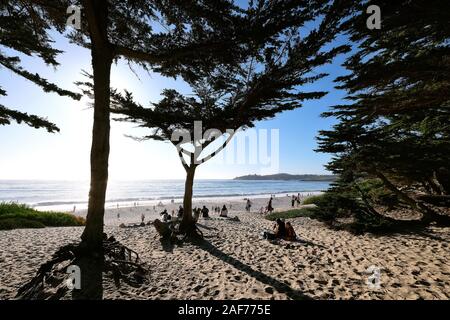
x,y
395,127
25,29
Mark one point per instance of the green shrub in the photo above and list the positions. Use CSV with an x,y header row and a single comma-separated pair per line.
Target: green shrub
x,y
290,214
313,199
14,216
16,223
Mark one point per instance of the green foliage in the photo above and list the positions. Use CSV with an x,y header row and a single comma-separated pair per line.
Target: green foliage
x,y
14,215
378,194
24,28
264,80
19,223
313,199
393,134
290,214
268,60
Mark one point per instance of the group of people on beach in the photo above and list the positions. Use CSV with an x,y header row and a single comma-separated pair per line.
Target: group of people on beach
x,y
196,213
204,212
282,230
269,208
222,212
296,200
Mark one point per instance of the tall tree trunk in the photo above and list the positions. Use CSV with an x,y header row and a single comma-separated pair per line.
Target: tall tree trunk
x,y
187,223
434,187
443,176
440,188
101,63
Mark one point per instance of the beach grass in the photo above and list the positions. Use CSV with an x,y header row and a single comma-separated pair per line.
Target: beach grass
x,y
17,216
290,214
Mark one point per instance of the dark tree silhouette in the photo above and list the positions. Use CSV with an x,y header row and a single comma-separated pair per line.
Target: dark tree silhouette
x,y
395,128
236,94
24,29
124,29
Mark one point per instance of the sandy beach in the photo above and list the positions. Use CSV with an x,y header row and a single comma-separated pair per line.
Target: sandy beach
x,y
236,262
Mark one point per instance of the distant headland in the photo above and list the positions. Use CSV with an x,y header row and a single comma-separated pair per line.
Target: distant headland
x,y
287,176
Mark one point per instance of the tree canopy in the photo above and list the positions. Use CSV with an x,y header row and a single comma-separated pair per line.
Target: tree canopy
x,y
24,28
395,127
261,82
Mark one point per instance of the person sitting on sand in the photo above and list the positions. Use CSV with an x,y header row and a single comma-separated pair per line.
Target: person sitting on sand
x,y
224,212
290,232
164,215
180,212
205,212
165,230
279,231
196,214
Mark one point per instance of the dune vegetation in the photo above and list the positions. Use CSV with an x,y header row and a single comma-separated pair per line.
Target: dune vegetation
x,y
19,216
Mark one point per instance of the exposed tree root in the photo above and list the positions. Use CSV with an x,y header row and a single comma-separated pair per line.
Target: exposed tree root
x,y
192,233
114,259
173,230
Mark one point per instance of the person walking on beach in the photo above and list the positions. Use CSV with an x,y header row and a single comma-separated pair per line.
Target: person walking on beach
x,y
142,218
248,205
293,201
269,206
118,215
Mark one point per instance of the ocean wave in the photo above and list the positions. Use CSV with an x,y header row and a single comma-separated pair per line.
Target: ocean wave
x,y
162,198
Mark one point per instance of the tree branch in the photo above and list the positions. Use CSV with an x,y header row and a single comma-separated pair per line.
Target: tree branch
x,y
211,155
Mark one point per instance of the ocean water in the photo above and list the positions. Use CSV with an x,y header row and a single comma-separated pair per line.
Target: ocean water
x,y
63,195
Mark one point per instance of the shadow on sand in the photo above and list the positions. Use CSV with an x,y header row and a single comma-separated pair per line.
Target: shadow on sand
x,y
258,275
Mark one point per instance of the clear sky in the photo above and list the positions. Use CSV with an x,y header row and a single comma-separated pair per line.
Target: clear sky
x,y
27,153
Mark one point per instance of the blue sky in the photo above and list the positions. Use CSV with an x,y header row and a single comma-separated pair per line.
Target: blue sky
x,y
28,153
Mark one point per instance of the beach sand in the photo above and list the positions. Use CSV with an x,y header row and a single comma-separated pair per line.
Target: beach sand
x,y
235,262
